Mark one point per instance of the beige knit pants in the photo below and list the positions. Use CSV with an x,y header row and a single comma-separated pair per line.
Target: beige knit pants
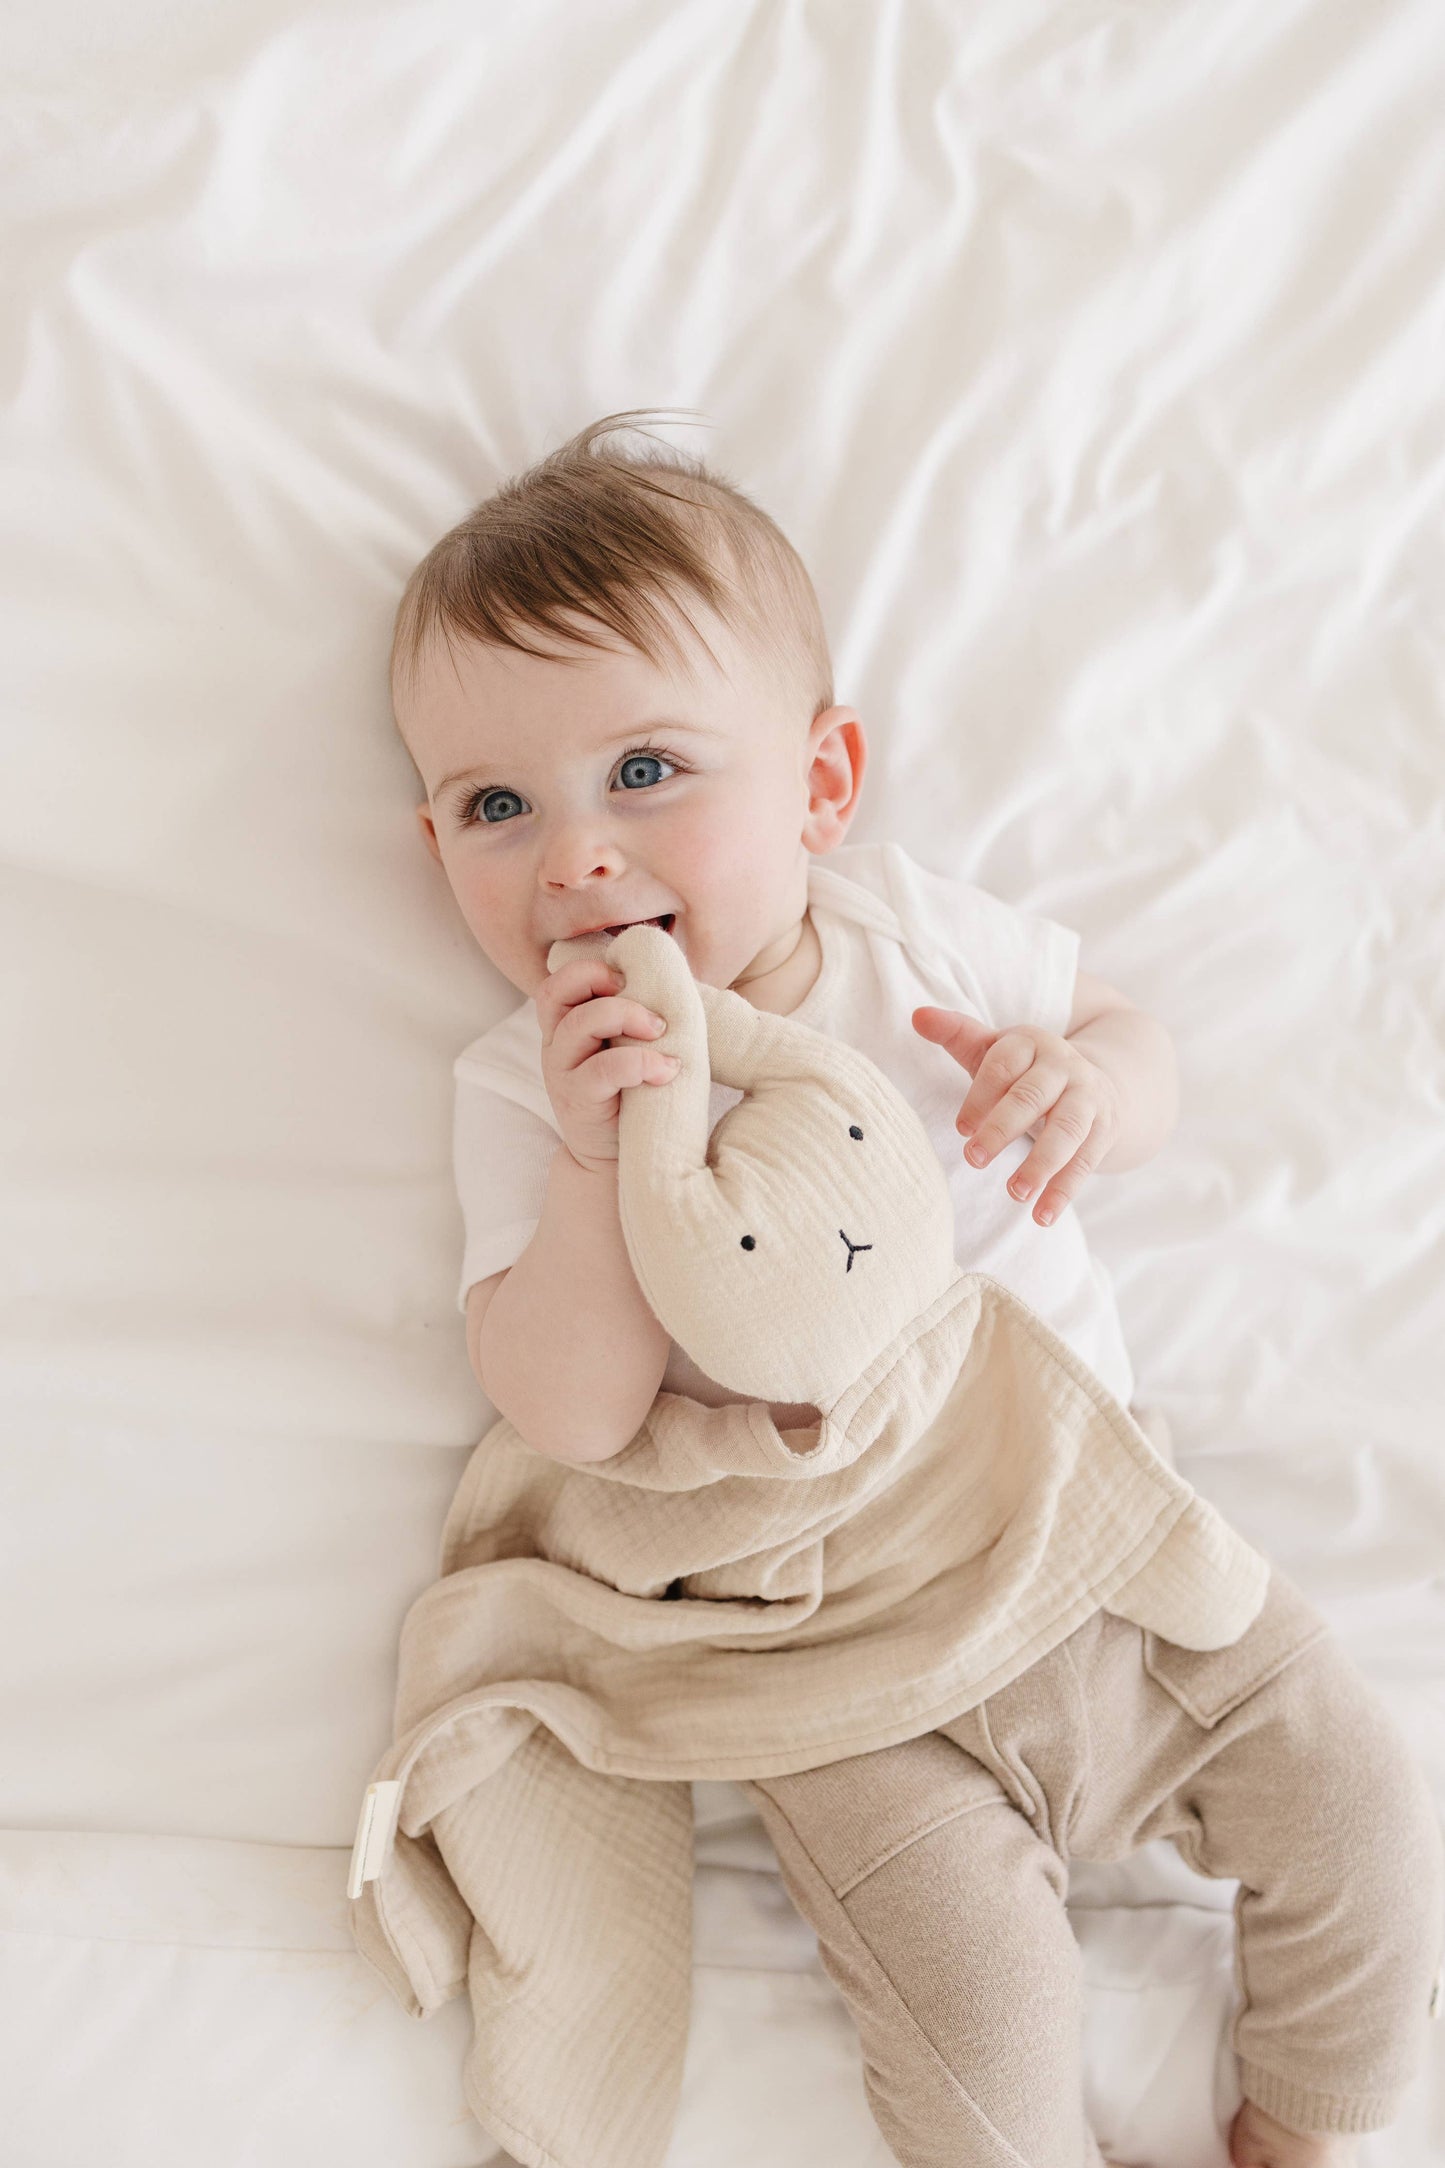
x,y
935,1871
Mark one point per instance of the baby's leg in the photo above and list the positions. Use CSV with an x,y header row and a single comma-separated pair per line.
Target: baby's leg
x,y
1275,1763
940,1917
1321,1812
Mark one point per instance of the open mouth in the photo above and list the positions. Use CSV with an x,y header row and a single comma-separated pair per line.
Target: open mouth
x,y
666,922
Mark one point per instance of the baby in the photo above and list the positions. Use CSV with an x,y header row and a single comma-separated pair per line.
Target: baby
x,y
614,682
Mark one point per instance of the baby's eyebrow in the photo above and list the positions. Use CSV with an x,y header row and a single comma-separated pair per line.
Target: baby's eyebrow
x,y
463,775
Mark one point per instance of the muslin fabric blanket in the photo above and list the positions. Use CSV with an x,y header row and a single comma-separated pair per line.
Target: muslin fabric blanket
x,y
723,1598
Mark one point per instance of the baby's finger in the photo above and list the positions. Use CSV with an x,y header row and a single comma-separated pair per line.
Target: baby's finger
x,y
580,979
1066,1154
588,1025
1026,1101
1009,1058
960,1035
616,1068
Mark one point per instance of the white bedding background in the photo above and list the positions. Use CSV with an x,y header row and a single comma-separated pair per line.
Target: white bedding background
x,y
1092,356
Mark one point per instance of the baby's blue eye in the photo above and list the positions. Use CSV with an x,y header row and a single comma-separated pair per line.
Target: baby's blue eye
x,y
484,802
643,760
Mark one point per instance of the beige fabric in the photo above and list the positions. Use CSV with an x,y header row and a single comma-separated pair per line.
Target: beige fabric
x,y
935,1874
968,1496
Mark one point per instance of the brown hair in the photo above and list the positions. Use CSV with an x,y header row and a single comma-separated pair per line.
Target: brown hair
x,y
601,534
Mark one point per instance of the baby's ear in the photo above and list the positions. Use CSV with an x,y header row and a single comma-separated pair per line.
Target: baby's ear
x,y
428,829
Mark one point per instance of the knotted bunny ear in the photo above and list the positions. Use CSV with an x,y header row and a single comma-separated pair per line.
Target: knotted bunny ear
x,y
660,1147
672,1218
791,1245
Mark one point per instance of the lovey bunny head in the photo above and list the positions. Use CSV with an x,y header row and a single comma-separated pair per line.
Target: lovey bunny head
x,y
791,1247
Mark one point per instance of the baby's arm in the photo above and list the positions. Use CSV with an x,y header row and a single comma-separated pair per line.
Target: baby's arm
x,y
564,1344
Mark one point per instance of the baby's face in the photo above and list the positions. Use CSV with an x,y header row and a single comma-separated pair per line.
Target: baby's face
x,y
567,794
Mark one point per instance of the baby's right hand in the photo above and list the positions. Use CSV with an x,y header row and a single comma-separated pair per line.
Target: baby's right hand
x,y
580,1010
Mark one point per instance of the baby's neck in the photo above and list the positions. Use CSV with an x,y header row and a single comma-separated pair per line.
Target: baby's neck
x,y
781,990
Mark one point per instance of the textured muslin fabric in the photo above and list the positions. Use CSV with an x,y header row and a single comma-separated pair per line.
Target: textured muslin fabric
x,y
935,1872
985,1499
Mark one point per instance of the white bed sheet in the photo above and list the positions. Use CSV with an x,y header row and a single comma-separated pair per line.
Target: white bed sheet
x,y
1090,354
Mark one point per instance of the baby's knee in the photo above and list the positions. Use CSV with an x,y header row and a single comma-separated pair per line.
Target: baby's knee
x,y
1361,1791
971,2007
1408,1839
980,1901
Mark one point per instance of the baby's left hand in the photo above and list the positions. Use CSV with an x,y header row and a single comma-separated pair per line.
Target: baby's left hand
x,y
1029,1083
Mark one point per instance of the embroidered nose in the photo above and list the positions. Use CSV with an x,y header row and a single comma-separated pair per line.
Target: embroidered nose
x,y
853,1248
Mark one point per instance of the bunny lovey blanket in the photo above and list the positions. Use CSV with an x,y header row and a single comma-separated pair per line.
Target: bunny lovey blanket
x,y
723,1598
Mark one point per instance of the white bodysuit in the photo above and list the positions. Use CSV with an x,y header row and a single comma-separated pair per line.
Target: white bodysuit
x,y
894,937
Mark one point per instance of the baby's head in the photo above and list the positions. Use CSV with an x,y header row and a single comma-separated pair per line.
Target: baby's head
x,y
613,680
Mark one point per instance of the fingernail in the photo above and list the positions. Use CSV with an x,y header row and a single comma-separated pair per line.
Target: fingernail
x,y
1045,1218
976,1153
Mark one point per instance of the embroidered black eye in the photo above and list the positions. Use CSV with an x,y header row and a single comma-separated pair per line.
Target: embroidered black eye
x,y
855,1131
748,1243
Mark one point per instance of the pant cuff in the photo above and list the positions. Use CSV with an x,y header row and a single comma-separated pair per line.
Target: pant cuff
x,y
1301,2108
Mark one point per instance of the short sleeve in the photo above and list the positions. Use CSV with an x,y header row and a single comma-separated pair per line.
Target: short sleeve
x,y
501,1152
1011,966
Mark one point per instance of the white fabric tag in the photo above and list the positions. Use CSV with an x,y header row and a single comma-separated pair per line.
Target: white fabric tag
x,y
375,1828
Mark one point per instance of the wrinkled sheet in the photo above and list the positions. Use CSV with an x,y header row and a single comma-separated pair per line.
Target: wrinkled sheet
x,y
1090,355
